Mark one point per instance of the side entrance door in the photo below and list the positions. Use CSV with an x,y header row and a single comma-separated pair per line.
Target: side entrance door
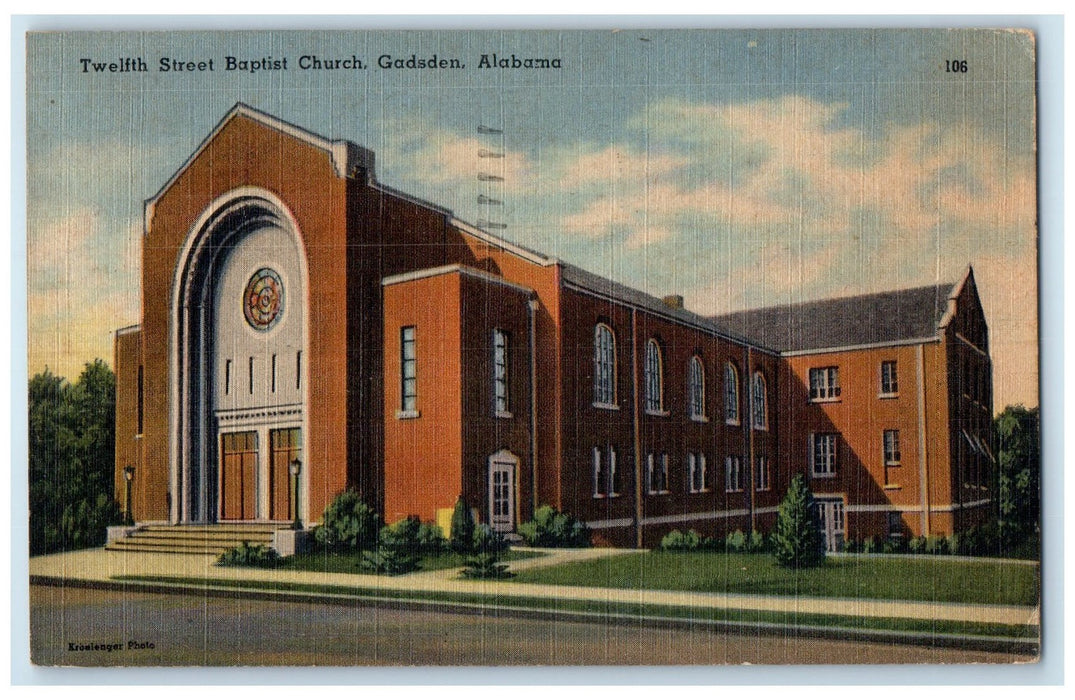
x,y
239,475
830,517
285,448
502,491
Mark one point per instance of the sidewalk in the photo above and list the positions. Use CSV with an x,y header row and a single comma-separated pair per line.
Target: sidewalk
x,y
100,566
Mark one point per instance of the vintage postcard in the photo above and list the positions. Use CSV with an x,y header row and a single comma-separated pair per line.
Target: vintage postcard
x,y
543,347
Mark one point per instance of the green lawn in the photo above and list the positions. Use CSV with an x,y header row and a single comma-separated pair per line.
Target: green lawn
x,y
348,563
895,578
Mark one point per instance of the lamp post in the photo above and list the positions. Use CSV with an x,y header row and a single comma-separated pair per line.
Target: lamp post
x,y
128,477
294,468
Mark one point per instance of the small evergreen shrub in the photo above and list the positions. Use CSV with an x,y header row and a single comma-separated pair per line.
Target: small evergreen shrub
x,y
551,528
676,541
461,538
431,539
869,545
247,554
758,543
735,542
917,545
348,525
487,546
397,549
797,541
936,544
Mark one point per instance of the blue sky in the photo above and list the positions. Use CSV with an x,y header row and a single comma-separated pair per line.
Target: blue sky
x,y
738,168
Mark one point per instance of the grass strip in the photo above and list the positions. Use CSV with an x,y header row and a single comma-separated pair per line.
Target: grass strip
x,y
981,581
700,615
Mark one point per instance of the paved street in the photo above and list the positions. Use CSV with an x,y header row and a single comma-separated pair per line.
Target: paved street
x,y
80,627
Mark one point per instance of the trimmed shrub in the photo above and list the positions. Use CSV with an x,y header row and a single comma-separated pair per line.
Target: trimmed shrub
x,y
551,528
869,545
676,541
247,554
797,541
348,525
461,538
397,549
917,545
735,542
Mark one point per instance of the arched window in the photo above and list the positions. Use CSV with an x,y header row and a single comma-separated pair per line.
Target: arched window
x,y
731,394
604,365
654,377
696,388
759,409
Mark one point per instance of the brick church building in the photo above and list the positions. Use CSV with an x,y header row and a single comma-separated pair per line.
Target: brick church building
x,y
296,311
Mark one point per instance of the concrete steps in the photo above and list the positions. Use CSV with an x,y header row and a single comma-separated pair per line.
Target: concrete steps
x,y
194,539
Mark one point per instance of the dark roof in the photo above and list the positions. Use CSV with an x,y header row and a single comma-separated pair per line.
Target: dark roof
x,y
602,285
867,319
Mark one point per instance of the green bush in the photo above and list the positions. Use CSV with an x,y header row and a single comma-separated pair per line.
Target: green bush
x,y
758,543
487,546
797,541
461,538
917,545
486,565
431,539
869,545
936,544
247,554
348,525
676,541
551,528
397,549
735,542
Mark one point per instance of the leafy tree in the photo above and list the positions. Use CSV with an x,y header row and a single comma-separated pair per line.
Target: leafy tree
x,y
797,541
1019,472
71,459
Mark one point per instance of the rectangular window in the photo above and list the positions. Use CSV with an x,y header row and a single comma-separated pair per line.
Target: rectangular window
x,y
895,524
500,372
733,474
763,480
408,370
657,473
892,448
823,454
273,374
696,476
250,367
227,377
141,398
606,480
298,370
824,383
889,382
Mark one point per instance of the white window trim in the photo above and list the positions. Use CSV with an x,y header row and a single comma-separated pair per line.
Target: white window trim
x,y
733,420
597,403
813,454
830,387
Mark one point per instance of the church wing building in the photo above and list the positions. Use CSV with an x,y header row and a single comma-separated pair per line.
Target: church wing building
x,y
299,316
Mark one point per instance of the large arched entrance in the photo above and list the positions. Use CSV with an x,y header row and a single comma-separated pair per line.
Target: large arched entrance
x,y
237,363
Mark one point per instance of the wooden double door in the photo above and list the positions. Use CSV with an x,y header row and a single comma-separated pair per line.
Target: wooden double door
x,y
249,491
